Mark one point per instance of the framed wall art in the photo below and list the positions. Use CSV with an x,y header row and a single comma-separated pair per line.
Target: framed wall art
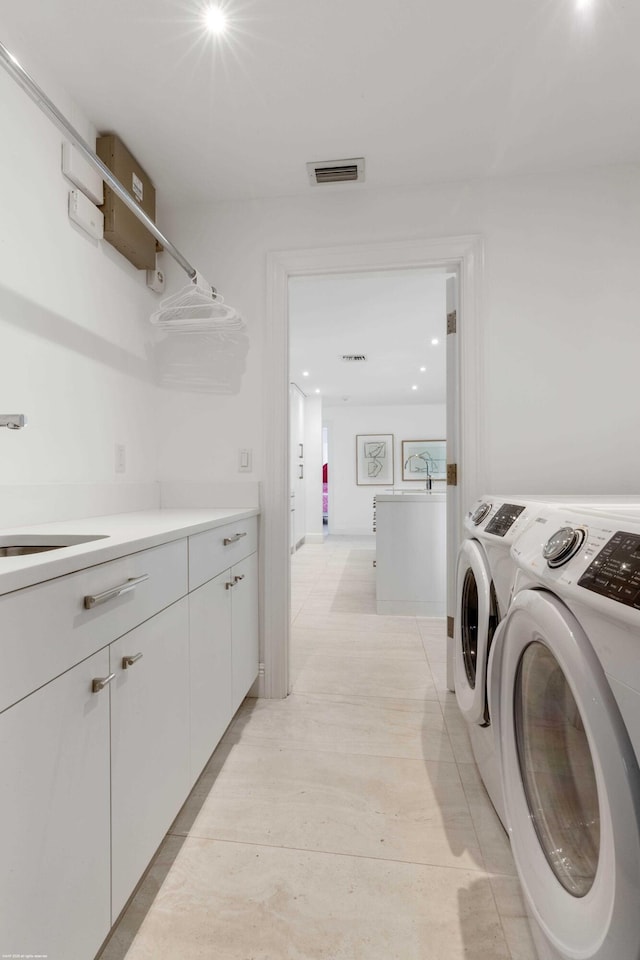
x,y
374,459
424,458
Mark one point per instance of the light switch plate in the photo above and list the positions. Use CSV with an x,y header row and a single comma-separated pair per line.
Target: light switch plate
x,y
245,461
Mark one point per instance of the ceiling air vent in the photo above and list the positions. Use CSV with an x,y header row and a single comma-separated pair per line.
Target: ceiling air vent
x,y
336,171
354,357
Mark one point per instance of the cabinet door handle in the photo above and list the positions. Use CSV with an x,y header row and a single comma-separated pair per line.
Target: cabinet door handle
x,y
129,661
94,600
234,538
301,472
229,584
238,578
100,683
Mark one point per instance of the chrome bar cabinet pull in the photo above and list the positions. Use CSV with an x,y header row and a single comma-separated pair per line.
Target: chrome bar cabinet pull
x,y
129,661
96,599
100,683
239,577
234,538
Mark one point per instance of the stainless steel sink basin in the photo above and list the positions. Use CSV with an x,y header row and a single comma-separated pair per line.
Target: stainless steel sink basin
x,y
25,545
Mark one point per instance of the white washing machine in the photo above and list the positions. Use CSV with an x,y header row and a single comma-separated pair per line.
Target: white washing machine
x,y
484,581
485,578
568,658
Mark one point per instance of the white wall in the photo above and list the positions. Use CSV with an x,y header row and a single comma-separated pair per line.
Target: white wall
x,y
561,326
75,342
350,506
561,315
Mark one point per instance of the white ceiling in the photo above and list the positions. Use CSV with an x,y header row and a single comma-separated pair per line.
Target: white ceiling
x,y
391,317
423,90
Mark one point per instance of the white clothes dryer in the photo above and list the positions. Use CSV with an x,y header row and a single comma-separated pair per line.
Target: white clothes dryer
x,y
484,581
569,730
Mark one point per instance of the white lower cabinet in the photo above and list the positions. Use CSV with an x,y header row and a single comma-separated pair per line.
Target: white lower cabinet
x,y
223,654
100,747
149,741
244,629
54,815
210,666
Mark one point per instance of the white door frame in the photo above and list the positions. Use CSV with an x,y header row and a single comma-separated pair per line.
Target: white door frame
x,y
465,255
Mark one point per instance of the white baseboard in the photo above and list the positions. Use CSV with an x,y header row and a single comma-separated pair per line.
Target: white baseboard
x,y
350,532
314,538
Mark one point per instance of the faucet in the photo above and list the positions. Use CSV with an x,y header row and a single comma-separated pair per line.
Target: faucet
x,y
14,421
424,469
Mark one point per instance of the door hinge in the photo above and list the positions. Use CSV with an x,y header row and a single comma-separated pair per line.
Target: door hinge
x,y
450,626
452,322
452,474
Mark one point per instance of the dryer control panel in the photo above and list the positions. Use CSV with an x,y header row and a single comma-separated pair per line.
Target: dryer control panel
x,y
503,519
615,571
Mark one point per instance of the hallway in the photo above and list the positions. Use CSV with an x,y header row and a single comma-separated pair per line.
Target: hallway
x,y
347,822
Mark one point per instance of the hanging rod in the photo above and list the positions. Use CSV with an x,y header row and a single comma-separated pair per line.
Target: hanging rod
x,y
39,97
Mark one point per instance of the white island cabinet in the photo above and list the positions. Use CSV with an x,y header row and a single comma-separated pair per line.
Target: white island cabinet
x,y
119,678
411,554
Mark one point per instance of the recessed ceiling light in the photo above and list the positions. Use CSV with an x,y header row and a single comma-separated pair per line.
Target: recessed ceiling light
x,y
415,386
215,20
584,4
423,369
317,391
305,373
435,342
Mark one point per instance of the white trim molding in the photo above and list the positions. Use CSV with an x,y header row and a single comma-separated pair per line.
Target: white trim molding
x,y
465,256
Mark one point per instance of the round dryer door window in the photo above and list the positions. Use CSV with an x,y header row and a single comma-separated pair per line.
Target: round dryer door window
x,y
571,782
557,771
469,617
475,623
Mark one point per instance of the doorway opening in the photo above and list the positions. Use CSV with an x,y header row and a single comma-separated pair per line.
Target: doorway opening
x,y
368,361
460,255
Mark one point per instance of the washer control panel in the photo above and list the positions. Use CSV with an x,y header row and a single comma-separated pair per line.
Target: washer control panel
x,y
615,571
503,519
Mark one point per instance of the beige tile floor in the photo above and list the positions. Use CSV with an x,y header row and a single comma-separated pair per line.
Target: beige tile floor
x,y
347,822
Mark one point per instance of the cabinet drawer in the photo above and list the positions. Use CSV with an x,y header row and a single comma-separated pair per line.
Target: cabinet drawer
x,y
216,550
45,629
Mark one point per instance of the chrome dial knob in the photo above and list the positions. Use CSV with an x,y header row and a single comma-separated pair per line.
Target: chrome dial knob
x,y
564,543
480,513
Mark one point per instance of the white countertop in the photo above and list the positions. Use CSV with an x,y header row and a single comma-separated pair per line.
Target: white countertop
x,y
124,533
411,497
